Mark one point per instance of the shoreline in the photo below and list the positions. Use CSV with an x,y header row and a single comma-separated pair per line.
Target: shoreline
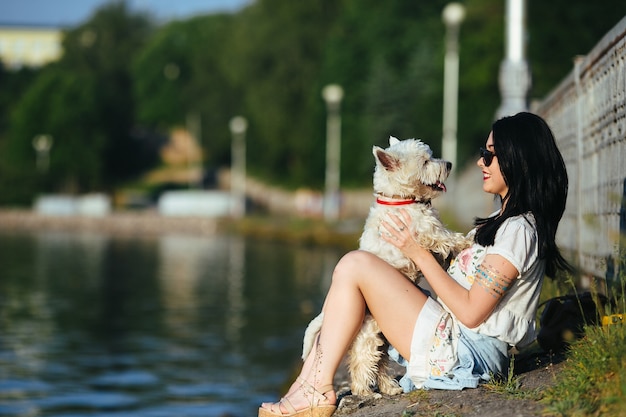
x,y
150,223
122,223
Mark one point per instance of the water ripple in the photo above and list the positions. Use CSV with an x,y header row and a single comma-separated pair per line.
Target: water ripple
x,y
125,379
89,400
18,387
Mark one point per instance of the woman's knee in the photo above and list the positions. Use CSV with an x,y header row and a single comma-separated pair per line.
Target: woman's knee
x,y
354,265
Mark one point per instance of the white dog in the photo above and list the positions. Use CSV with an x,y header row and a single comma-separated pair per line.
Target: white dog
x,y
408,177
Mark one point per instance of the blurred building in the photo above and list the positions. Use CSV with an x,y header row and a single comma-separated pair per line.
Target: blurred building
x,y
29,46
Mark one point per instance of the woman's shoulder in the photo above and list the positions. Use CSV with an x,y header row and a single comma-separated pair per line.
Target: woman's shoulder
x,y
518,223
517,240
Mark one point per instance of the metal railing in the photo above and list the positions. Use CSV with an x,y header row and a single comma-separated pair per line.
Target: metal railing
x,y
587,113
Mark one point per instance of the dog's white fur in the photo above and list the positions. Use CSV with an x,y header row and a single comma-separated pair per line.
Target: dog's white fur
x,y
404,171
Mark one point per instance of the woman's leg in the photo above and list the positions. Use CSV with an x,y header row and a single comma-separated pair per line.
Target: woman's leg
x,y
393,300
360,280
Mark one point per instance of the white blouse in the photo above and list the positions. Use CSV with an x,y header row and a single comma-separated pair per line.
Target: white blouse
x,y
513,319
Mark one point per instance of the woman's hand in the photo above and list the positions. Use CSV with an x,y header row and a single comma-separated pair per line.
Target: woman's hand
x,y
398,233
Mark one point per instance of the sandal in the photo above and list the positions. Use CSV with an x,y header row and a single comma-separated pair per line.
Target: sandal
x,y
314,410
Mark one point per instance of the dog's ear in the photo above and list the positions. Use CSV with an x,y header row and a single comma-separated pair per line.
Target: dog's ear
x,y
389,162
393,140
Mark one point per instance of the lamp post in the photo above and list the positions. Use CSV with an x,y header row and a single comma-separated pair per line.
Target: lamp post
x,y
42,145
514,77
332,94
238,126
452,16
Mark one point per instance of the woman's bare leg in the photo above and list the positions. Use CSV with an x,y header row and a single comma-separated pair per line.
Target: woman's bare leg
x,y
360,279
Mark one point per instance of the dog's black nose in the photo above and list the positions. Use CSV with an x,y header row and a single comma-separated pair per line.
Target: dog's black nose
x,y
449,166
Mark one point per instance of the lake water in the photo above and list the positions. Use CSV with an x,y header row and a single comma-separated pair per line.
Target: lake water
x,y
93,325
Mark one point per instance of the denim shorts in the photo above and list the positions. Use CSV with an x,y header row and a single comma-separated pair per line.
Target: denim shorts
x,y
447,355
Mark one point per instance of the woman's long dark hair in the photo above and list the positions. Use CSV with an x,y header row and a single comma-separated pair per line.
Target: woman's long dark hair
x,y
535,173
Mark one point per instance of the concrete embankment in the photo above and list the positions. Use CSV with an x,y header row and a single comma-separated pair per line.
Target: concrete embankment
x,y
132,223
150,223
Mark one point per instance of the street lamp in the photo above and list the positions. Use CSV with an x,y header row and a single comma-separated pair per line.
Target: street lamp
x,y
238,126
514,77
332,94
42,145
452,15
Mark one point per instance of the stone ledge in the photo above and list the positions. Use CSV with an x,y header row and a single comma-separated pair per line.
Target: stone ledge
x,y
130,223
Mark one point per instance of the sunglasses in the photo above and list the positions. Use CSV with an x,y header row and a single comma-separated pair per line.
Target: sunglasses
x,y
487,156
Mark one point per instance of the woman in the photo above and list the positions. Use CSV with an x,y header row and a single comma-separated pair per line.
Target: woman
x,y
486,300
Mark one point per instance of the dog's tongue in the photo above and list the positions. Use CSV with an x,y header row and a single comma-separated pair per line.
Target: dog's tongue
x,y
442,186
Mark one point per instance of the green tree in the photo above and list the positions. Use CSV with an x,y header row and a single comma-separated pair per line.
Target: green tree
x,y
12,85
563,30
103,49
481,40
269,63
85,102
388,57
64,107
276,55
13,189
183,73
162,71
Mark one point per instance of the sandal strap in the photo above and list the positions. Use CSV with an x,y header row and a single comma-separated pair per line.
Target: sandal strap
x,y
317,393
290,408
315,397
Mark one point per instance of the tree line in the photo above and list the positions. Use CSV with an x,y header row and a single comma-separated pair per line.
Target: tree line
x,y
124,81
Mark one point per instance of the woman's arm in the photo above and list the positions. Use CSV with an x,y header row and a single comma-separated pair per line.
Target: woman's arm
x,y
492,279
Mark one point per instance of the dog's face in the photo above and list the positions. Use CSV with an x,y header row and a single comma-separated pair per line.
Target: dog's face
x,y
407,169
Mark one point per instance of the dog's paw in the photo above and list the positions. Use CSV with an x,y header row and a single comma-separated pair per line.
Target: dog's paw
x,y
389,386
361,389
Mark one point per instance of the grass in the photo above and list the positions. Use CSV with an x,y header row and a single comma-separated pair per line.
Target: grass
x,y
593,382
511,385
343,234
294,230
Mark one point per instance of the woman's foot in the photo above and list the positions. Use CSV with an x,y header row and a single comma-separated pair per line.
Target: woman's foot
x,y
302,396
